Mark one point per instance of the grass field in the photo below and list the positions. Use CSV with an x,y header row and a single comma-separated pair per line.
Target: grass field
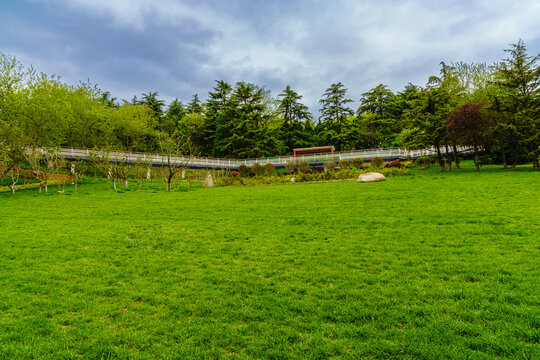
x,y
426,266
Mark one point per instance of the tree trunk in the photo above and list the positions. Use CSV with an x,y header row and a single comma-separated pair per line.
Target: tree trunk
x,y
126,183
533,154
169,185
439,156
114,184
448,157
516,158
476,156
12,189
503,153
39,188
46,187
536,165
456,161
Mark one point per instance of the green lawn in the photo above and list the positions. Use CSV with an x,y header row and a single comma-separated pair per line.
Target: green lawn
x,y
427,266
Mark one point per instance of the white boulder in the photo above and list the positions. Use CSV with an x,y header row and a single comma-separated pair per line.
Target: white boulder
x,y
371,177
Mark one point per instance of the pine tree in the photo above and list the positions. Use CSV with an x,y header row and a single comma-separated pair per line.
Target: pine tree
x,y
334,115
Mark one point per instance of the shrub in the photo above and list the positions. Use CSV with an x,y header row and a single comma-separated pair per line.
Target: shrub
x,y
423,160
357,162
257,169
343,164
234,174
243,170
269,169
394,171
377,162
394,163
304,167
407,164
290,166
329,165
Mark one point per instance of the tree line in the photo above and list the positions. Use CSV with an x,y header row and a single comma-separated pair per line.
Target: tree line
x,y
494,109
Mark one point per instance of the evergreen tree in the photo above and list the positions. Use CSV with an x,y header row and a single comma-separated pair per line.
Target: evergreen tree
x,y
377,116
334,119
195,106
173,116
242,130
294,116
214,107
517,100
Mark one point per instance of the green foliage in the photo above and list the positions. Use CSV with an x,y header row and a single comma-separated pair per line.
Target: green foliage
x,y
173,117
378,117
357,162
343,164
257,169
155,105
243,170
423,160
295,130
515,101
247,113
269,169
304,167
329,165
377,162
334,115
290,166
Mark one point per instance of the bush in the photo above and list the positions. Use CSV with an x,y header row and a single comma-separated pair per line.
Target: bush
x,y
257,169
243,170
329,165
304,167
393,163
407,164
423,160
343,164
234,174
377,162
290,166
269,169
357,162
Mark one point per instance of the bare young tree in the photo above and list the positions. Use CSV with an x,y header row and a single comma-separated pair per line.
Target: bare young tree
x,y
176,153
122,169
101,159
54,164
11,156
77,171
141,169
14,174
33,157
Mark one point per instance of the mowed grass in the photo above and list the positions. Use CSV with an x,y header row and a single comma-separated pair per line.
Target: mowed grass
x,y
426,266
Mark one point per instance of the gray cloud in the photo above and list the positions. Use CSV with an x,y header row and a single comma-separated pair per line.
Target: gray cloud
x,y
179,48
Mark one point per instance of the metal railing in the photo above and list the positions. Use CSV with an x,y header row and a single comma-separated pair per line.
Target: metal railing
x,y
234,163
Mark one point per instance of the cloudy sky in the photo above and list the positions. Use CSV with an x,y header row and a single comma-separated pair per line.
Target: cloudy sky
x,y
179,47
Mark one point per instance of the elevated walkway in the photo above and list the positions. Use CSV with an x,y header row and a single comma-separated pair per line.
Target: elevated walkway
x,y
315,160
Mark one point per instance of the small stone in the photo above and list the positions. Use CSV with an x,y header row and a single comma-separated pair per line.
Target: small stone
x,y
209,181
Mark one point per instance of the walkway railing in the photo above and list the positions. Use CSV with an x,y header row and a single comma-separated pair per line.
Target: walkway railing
x,y
209,162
